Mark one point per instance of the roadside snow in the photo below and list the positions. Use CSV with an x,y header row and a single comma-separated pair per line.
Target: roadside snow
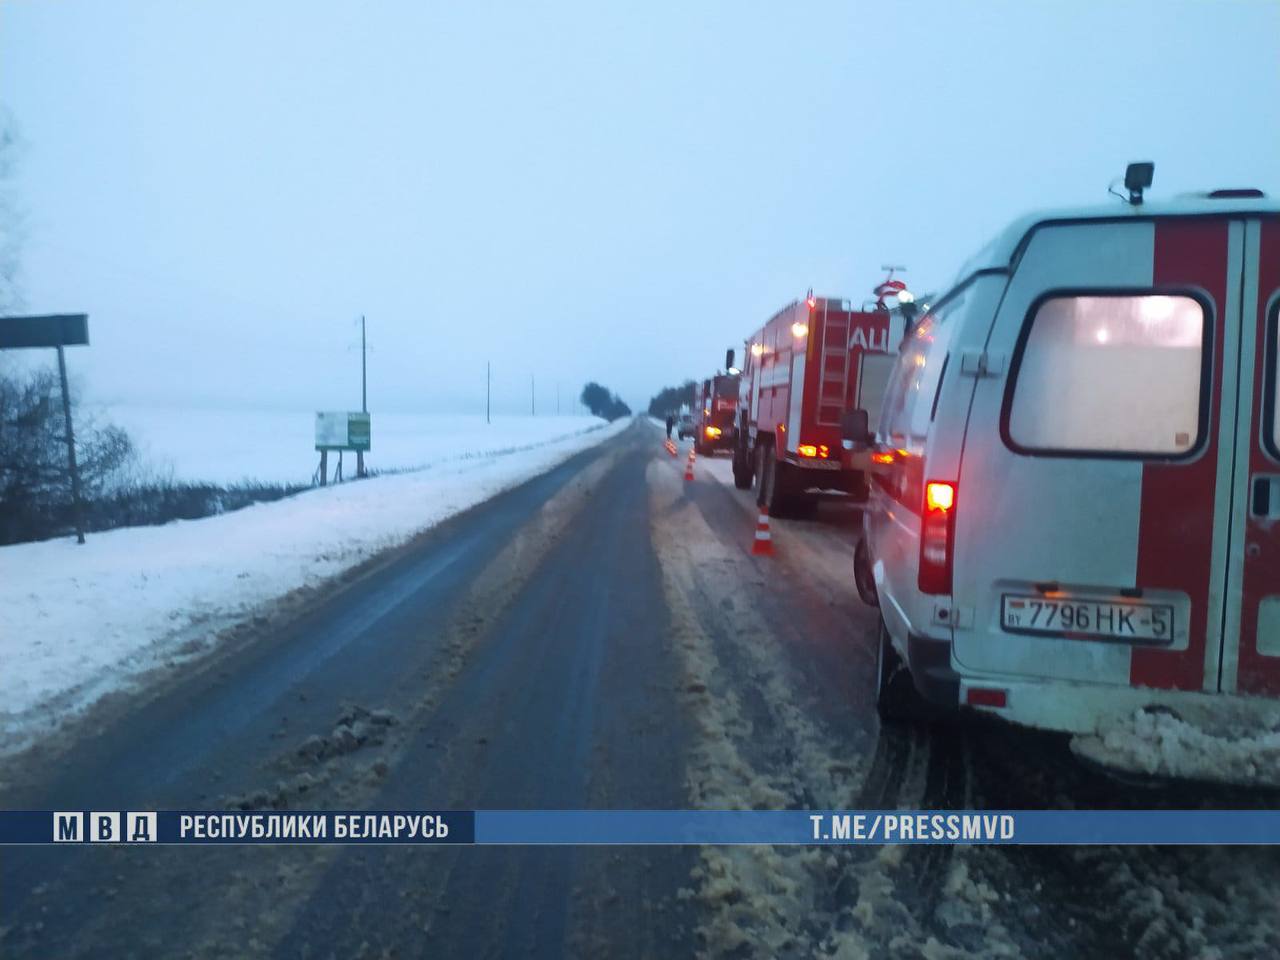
x,y
77,622
228,445
1240,750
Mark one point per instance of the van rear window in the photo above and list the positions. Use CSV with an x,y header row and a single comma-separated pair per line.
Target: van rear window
x,y
1111,374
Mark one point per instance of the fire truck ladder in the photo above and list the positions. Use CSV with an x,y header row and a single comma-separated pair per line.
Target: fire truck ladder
x,y
833,374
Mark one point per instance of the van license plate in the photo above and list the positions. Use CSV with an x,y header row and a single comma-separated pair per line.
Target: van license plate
x,y
1097,619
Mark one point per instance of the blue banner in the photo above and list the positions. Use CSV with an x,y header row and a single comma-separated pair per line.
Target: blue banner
x,y
238,826
638,827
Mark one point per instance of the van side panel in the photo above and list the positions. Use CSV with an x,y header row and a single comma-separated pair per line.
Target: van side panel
x,y
892,518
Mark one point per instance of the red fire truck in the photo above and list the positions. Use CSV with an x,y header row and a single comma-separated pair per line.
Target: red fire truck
x,y
812,362
717,414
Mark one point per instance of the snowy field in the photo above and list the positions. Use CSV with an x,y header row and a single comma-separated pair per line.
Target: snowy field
x,y
227,445
80,621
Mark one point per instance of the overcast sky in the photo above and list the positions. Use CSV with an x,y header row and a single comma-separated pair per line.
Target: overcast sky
x,y
610,191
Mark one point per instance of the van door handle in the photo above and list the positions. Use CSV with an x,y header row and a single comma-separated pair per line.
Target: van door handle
x,y
1264,498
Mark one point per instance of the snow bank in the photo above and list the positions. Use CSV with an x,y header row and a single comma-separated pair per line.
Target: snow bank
x,y
227,445
1236,749
79,621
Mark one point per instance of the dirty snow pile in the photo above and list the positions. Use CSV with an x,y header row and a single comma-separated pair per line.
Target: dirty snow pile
x,y
1234,749
77,622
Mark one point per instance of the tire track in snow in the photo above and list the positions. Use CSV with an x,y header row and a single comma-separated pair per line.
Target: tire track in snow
x,y
761,742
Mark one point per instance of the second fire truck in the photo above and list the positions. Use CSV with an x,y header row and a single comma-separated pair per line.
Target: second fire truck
x,y
716,417
812,362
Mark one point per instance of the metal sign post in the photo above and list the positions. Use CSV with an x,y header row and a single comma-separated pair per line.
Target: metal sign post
x,y
364,397
55,330
77,503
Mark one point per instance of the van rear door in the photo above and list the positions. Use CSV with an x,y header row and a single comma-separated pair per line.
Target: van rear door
x,y
1251,638
1093,504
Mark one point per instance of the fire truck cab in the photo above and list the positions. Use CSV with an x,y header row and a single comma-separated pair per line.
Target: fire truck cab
x,y
1075,506
813,361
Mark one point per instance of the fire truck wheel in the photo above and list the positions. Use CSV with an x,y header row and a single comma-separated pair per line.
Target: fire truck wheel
x,y
743,476
897,700
776,492
758,468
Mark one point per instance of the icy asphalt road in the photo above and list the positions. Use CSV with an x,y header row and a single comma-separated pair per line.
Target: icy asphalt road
x,y
598,637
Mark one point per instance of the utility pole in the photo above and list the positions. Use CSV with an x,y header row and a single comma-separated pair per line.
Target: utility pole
x,y
364,394
487,378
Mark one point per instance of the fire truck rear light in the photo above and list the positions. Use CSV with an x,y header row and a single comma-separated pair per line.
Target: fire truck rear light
x,y
823,450
986,697
807,450
799,330
882,457
713,431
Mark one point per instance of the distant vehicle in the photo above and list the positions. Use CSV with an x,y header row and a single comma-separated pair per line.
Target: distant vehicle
x,y
686,426
716,427
812,362
1075,507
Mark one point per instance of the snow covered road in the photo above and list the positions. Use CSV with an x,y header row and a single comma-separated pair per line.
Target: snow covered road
x,y
78,622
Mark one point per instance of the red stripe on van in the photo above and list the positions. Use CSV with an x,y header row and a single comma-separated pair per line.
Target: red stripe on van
x,y
1258,674
1175,530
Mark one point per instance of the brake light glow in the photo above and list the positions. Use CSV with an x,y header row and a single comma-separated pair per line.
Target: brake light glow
x,y
937,533
807,450
886,457
939,496
713,431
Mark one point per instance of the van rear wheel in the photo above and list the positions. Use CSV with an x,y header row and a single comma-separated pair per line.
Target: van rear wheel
x,y
897,700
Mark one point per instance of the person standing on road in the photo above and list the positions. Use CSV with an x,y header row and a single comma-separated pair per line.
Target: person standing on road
x,y
671,422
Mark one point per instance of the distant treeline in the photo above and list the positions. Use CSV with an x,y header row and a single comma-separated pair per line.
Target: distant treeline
x,y
604,403
35,492
669,400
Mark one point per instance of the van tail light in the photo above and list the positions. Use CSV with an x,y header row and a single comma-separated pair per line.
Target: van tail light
x,y
937,533
986,697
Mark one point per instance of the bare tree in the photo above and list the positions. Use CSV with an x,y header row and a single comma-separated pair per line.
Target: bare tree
x,y
35,500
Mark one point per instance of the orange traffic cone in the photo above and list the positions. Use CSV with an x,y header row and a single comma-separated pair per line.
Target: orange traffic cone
x,y
763,544
671,446
688,467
